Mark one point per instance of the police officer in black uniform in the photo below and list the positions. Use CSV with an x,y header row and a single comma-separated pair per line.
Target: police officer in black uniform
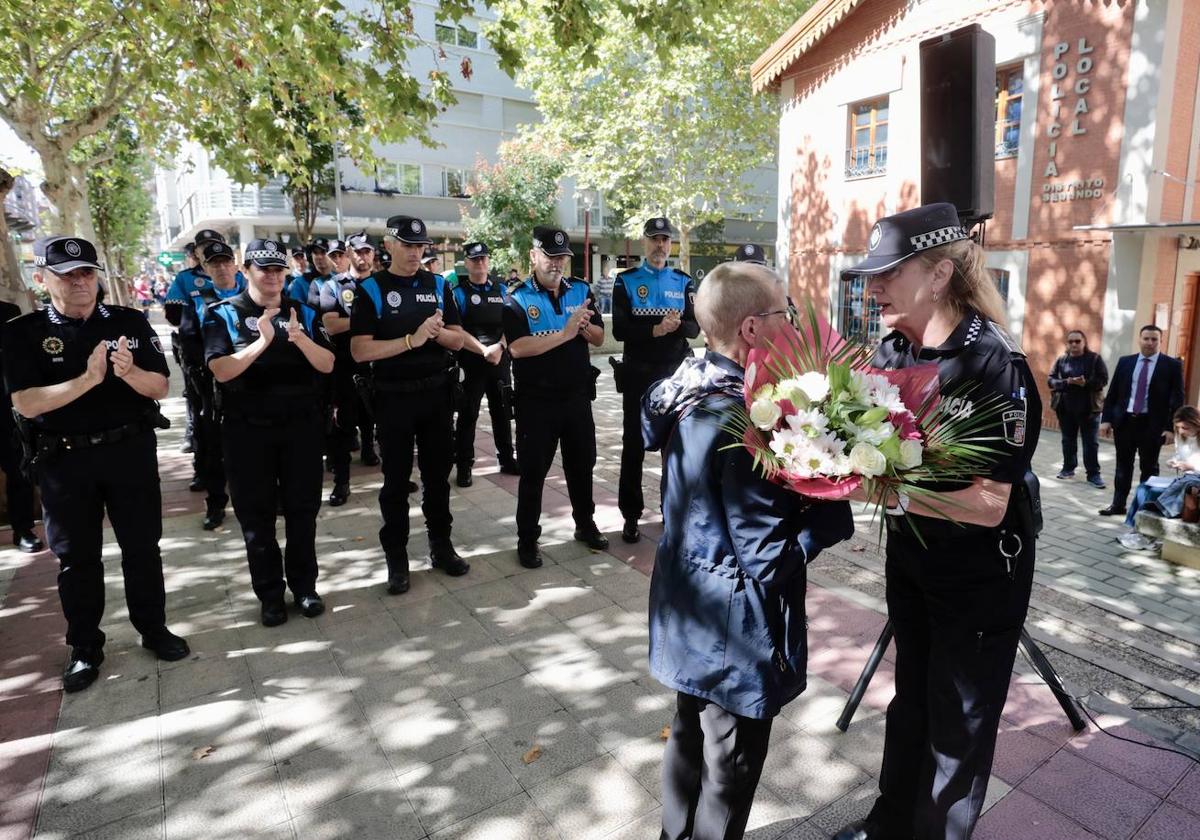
x,y
86,375
486,365
269,354
19,490
751,254
349,413
222,280
550,323
652,315
957,594
306,288
405,323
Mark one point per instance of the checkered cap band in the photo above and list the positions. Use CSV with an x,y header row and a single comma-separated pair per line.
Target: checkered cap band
x,y
263,254
933,238
39,260
654,310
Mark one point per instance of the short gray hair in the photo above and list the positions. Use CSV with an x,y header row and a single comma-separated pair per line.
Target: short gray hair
x,y
730,293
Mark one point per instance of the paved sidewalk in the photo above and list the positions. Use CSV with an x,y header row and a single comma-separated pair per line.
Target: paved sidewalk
x,y
508,703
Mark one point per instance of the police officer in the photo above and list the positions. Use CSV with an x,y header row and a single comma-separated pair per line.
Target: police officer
x,y
87,376
430,260
405,324
299,263
19,490
268,354
485,364
223,280
349,412
957,594
550,324
340,257
301,289
652,315
751,254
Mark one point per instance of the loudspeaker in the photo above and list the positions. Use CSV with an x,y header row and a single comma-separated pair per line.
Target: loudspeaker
x,y
958,121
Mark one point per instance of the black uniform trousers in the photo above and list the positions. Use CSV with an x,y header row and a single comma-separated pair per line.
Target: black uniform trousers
x,y
19,490
710,771
544,421
481,377
402,418
206,441
267,463
78,487
958,613
1135,436
636,379
349,414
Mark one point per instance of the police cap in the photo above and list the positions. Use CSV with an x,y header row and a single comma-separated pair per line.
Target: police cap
x,y
213,250
297,252
359,241
265,253
409,229
475,250
430,255
63,254
658,226
751,253
552,241
896,238
317,243
207,235
336,246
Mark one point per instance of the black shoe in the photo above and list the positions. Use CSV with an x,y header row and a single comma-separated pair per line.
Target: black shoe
x,y
413,487
592,538
82,669
529,556
339,495
464,478
27,541
213,520
354,443
509,468
630,532
310,605
196,485
443,556
186,447
369,457
1112,510
274,613
397,582
166,645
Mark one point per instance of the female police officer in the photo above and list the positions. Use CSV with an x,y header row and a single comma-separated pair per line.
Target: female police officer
x,y
958,601
267,353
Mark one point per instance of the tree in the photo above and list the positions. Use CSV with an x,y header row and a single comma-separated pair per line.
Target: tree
x,y
660,126
512,196
10,267
119,195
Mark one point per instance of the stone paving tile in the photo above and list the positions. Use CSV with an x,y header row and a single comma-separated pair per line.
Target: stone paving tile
x,y
459,786
514,819
1019,815
592,800
1167,823
78,803
381,811
1153,770
546,748
1095,798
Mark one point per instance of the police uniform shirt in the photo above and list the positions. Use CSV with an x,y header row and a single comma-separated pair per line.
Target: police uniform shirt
x,y
191,322
388,306
641,297
482,309
533,311
306,288
48,348
337,297
281,380
980,365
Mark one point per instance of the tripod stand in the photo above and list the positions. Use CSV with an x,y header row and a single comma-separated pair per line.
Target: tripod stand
x,y
1036,658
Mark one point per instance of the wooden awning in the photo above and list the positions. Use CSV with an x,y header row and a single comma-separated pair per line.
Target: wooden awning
x,y
804,34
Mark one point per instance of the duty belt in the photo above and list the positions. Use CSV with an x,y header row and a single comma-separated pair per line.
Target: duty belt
x,y
409,386
272,421
50,443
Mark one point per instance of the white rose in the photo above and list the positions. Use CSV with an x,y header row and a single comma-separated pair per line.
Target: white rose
x,y
873,435
790,390
814,385
910,454
764,413
867,461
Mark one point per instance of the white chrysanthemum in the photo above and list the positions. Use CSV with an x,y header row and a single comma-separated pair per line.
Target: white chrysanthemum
x,y
784,443
841,465
911,454
815,385
765,413
811,461
808,421
867,461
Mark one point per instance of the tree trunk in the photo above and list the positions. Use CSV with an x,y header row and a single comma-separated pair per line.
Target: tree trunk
x,y
685,248
66,188
12,284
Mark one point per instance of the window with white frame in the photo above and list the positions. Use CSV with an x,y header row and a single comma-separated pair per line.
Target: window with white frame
x,y
456,36
456,182
586,200
403,178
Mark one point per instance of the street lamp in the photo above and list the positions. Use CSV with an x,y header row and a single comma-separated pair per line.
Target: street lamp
x,y
586,198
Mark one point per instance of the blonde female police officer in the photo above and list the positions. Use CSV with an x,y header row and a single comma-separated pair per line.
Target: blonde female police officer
x,y
958,601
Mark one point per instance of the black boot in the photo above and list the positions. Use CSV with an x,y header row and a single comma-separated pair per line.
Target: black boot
x,y
27,541
83,668
339,495
464,478
529,556
443,556
591,537
213,518
368,456
630,533
397,581
509,467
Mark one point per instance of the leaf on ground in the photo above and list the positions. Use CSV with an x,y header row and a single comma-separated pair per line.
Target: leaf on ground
x,y
534,753
858,548
666,733
203,752
359,539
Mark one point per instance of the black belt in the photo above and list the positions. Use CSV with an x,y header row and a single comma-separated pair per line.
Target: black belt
x,y
409,386
52,443
272,421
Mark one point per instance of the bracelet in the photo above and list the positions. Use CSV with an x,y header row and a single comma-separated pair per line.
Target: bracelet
x,y
408,341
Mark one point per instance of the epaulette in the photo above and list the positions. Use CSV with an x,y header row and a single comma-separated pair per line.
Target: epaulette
x,y
518,284
1011,343
678,270
628,271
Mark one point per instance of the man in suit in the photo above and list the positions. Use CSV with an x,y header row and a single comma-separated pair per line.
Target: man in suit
x,y
1146,389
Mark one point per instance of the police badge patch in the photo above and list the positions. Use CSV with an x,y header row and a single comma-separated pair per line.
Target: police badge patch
x,y
643,292
347,296
52,344
198,282
534,312
252,324
393,298
1014,426
476,299
876,235
156,344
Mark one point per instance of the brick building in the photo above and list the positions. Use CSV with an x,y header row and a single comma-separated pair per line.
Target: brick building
x,y
1097,213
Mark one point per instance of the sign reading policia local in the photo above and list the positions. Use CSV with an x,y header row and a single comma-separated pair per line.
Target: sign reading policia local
x,y
1072,117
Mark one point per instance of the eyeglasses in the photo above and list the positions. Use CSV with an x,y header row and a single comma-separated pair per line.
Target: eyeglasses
x,y
793,315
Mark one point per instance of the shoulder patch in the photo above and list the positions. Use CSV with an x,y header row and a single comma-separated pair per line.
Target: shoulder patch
x,y
1006,339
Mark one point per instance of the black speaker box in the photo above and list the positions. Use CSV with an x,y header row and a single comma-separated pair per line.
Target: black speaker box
x,y
958,121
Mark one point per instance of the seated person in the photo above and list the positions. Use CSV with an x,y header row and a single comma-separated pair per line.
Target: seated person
x,y
1163,495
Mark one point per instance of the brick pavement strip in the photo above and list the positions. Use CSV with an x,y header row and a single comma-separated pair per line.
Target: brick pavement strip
x,y
505,704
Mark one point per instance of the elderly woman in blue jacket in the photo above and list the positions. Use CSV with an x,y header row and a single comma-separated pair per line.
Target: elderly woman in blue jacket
x,y
727,622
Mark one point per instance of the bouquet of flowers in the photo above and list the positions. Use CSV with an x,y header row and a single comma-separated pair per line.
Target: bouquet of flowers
x,y
819,419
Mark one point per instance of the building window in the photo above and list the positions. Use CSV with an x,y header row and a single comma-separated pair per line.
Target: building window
x,y
1000,278
589,200
1010,83
403,178
456,183
866,152
858,314
458,36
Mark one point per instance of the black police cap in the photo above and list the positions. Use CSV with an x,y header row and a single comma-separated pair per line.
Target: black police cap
x,y
751,253
63,254
317,243
552,241
265,253
297,252
475,250
896,238
385,259
430,255
336,246
359,241
189,247
658,226
207,235
215,250
409,229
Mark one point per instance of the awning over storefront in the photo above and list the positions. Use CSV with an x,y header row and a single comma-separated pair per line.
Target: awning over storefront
x,y
804,34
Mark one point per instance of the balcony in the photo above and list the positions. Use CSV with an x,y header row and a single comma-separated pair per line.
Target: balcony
x,y
233,202
866,162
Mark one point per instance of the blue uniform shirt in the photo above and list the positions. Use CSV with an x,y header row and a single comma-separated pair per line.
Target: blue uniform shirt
x,y
532,310
641,297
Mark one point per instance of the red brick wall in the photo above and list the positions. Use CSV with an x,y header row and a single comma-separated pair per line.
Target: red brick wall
x,y
1183,99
